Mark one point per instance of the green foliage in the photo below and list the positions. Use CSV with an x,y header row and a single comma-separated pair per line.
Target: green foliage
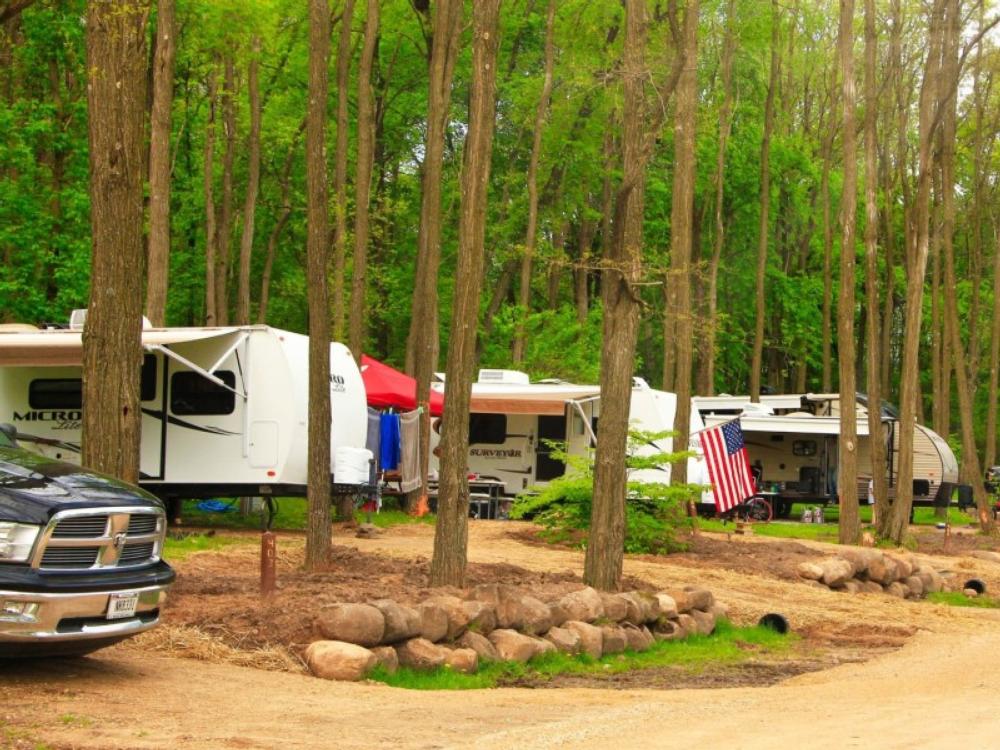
x,y
653,511
727,646
958,599
291,515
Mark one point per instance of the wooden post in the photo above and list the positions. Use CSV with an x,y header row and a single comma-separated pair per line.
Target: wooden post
x,y
268,557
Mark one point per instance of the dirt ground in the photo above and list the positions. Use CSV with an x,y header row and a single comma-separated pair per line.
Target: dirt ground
x,y
903,673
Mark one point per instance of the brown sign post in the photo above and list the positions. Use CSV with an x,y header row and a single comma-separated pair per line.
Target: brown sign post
x,y
268,558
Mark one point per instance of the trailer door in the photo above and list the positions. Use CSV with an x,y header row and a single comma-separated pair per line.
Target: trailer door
x,y
153,402
549,428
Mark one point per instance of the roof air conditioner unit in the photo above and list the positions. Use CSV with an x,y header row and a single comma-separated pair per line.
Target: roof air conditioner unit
x,y
78,319
504,377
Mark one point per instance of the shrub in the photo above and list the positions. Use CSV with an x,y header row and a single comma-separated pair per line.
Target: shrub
x,y
653,511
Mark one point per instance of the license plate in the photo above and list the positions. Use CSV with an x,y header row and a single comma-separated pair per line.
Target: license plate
x,y
121,606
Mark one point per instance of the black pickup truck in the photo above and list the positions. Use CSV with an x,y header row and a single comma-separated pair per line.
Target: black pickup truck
x,y
80,556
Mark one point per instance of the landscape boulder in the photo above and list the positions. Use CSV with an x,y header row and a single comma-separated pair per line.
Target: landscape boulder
x,y
565,640
420,653
464,660
361,624
591,637
668,630
584,605
513,646
613,639
339,660
543,646
682,600
482,617
704,621
433,621
668,607
558,613
810,571
484,649
699,598
638,638
915,585
615,607
401,623
883,570
836,572
983,554
897,589
687,624
458,616
387,658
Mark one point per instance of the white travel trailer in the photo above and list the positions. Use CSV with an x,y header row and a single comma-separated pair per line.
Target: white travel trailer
x,y
792,440
511,419
224,410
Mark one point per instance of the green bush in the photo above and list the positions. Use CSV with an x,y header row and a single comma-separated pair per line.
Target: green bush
x,y
653,511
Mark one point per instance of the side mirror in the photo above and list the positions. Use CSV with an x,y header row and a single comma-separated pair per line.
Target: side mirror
x,y
9,431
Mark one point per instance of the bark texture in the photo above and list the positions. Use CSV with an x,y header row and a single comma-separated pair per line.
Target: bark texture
x,y
112,348
451,532
208,184
159,165
340,170
224,236
622,270
318,530
253,187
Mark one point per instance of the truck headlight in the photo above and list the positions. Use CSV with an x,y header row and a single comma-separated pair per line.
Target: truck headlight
x,y
17,540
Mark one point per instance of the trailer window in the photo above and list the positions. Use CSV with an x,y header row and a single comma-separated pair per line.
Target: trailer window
x,y
488,429
147,388
191,393
804,447
55,393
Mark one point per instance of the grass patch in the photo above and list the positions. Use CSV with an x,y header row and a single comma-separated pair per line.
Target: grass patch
x,y
292,515
958,599
728,645
175,550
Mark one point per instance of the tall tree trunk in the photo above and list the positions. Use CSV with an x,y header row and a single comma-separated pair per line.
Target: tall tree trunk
x,y
876,432
893,525
623,268
317,239
222,246
451,532
827,334
422,342
159,165
994,387
582,278
682,231
279,225
340,170
847,459
112,348
725,128
756,361
253,187
208,182
363,180
531,234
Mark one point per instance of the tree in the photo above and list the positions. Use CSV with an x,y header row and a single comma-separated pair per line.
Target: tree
x,y
318,530
208,182
253,187
621,271
112,348
225,223
366,136
158,270
847,459
681,220
340,170
451,533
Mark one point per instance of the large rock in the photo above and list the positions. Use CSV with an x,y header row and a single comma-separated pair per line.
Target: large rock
x,y
904,568
931,579
584,605
719,611
852,586
565,640
514,610
613,639
897,589
836,572
668,630
668,607
615,607
485,650
387,658
401,623
983,554
482,617
883,570
915,585
338,660
643,607
464,660
681,599
361,624
638,639
810,571
458,616
591,637
543,646
871,587
537,616
420,653
705,621
688,625
513,646
699,598
558,613
433,621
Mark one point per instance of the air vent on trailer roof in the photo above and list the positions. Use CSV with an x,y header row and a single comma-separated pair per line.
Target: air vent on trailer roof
x,y
505,377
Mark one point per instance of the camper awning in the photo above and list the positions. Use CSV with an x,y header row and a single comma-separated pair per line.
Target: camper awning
x,y
387,387
61,348
805,425
540,399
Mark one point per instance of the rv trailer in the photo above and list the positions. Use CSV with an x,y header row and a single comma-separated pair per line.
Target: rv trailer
x,y
512,420
792,442
224,410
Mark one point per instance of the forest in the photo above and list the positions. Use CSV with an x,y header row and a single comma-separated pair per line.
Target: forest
x,y
772,150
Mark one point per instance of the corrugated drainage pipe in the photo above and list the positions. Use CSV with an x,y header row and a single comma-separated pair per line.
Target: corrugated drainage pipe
x,y
774,621
976,585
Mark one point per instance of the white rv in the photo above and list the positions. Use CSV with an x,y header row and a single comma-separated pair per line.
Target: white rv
x,y
792,440
224,410
511,419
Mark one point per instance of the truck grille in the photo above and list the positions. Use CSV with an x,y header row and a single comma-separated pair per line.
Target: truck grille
x,y
112,538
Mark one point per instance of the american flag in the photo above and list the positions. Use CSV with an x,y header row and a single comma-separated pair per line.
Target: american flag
x,y
728,466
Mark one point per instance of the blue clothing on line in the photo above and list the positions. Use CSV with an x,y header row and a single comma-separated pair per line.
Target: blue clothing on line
x,y
390,448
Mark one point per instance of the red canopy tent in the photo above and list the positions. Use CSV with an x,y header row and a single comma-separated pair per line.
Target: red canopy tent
x,y
388,387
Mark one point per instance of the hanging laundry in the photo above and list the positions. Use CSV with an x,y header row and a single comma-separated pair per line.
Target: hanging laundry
x,y
410,468
373,437
389,447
